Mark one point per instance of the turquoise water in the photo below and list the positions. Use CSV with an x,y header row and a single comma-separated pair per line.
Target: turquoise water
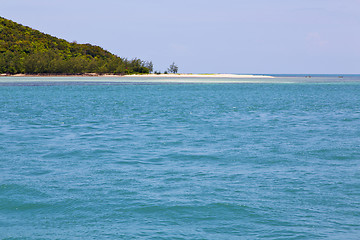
x,y
191,161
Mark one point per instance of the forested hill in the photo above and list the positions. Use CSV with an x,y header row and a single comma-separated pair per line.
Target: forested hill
x,y
25,50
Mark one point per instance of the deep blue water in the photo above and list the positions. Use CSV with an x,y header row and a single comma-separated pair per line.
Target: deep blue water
x,y
202,161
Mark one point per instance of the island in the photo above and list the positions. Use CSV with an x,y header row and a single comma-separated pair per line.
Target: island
x,y
24,50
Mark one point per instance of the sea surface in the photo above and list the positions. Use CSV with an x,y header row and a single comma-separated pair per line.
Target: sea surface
x,y
180,161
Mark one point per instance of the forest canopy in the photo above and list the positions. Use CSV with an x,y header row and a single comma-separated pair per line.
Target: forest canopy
x,y
25,50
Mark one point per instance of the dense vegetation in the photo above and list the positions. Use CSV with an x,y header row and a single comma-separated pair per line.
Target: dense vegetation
x,y
25,50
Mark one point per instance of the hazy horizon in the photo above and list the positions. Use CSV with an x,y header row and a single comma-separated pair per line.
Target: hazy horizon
x,y
257,37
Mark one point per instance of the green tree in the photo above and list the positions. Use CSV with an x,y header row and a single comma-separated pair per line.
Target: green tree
x,y
173,68
149,65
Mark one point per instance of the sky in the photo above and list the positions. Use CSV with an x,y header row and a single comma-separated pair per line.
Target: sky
x,y
208,36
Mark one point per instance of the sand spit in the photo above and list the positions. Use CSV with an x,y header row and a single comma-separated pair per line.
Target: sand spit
x,y
201,76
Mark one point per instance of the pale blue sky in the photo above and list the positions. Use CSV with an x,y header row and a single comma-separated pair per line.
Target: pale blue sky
x,y
228,36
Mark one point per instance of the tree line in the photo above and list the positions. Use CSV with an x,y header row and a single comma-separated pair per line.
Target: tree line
x,y
52,62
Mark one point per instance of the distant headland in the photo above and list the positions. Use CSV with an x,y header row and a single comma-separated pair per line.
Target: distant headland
x,y
24,50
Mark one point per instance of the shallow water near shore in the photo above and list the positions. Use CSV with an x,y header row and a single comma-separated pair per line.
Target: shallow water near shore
x,y
177,79
180,161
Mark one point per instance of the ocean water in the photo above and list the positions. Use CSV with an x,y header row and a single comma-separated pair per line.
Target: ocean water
x,y
180,161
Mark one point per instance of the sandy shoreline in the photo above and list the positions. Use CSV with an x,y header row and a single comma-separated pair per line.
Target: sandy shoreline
x,y
143,76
